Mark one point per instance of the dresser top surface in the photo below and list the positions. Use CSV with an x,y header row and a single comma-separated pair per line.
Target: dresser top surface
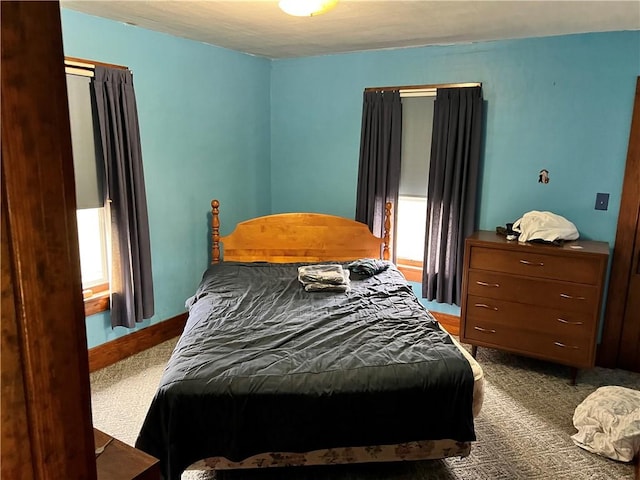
x,y
119,461
572,247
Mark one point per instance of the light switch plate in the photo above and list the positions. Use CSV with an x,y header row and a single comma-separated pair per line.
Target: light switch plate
x,y
602,201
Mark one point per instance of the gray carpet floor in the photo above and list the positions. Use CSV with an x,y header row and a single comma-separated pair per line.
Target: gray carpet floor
x,y
523,430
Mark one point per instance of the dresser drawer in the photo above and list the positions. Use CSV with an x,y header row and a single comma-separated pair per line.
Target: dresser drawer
x,y
555,347
565,296
522,262
531,318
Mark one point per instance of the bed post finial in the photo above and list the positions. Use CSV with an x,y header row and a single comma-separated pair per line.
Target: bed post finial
x,y
215,232
387,230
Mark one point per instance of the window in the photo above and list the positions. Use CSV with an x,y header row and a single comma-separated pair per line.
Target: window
x,y
93,247
90,215
411,211
412,218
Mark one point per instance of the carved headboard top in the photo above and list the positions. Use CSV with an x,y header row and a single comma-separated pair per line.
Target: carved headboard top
x,y
298,237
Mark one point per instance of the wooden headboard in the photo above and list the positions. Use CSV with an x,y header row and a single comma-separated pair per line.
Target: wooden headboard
x,y
298,237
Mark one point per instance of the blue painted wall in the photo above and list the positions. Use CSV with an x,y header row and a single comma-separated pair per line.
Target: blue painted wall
x,y
205,132
274,136
559,103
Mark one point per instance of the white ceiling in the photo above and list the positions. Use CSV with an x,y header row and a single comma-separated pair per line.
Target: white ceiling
x,y
261,28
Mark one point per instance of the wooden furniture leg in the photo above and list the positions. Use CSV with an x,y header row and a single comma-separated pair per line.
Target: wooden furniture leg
x,y
474,350
574,375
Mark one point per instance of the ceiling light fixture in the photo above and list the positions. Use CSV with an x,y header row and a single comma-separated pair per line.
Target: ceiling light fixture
x,y
306,8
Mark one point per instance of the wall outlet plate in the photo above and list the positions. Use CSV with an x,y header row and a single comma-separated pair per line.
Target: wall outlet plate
x,y
602,201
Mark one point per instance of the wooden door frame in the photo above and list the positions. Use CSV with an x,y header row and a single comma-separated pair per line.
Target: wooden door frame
x,y
624,246
43,322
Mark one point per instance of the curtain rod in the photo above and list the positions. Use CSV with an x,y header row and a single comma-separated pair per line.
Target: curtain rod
x,y
80,66
407,88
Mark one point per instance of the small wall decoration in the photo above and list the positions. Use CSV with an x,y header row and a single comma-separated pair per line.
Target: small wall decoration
x,y
544,176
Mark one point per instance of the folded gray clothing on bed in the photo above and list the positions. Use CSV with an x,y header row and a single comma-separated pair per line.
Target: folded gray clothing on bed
x,y
324,278
327,287
326,273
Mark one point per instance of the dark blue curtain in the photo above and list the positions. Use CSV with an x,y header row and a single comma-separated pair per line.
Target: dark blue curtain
x,y
131,281
380,155
451,194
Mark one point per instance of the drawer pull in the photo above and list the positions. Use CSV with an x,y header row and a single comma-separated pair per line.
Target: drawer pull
x,y
558,344
485,284
562,320
533,264
484,330
571,297
484,305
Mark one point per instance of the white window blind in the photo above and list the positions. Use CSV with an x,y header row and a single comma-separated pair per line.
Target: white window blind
x,y
87,161
417,123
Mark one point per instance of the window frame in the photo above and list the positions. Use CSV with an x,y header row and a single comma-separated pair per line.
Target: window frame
x,y
412,269
96,297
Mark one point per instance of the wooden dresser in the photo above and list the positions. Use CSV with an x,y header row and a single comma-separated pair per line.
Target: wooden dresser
x,y
538,300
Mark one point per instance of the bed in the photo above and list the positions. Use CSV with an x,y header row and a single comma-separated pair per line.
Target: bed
x,y
269,374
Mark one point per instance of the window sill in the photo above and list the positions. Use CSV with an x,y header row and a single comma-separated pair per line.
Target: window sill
x,y
96,299
96,304
411,269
